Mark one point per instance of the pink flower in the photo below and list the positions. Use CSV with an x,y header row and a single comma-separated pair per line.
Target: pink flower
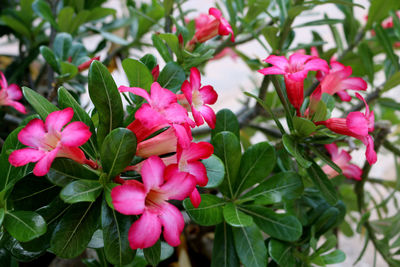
x,y
198,97
9,94
342,160
357,125
295,70
49,140
207,29
85,65
150,199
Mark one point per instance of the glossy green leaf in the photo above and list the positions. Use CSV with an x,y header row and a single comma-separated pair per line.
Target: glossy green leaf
x,y
24,225
75,230
40,104
215,171
226,121
50,58
250,247
227,148
17,251
149,60
64,171
115,228
291,146
224,253
256,164
303,126
235,217
209,212
106,98
281,226
81,191
172,76
281,253
138,74
153,253
161,48
62,45
118,150
42,8
323,184
107,193
68,70
284,185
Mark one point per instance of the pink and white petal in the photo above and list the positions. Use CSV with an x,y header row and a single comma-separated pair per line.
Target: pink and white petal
x,y
14,92
208,94
136,91
172,221
56,120
278,61
129,198
18,106
24,156
178,185
145,232
161,97
272,71
160,144
43,166
352,171
357,123
195,78
73,153
195,198
197,169
187,91
32,134
75,134
152,173
200,150
344,96
354,83
215,12
208,115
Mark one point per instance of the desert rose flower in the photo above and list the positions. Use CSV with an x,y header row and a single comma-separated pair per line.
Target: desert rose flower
x,y
150,200
295,70
10,94
50,140
357,125
342,160
198,97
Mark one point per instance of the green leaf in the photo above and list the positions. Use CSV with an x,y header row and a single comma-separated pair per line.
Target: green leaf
x,y
320,112
284,185
256,164
303,126
384,40
172,76
118,150
323,184
24,225
325,159
62,45
107,193
291,146
81,191
100,12
234,217
16,25
161,48
227,148
281,253
75,230
68,70
379,10
224,253
367,57
64,171
16,250
209,212
1,215
149,60
42,8
40,104
106,98
319,22
271,35
138,74
281,226
171,40
215,171
65,19
392,82
250,246
50,58
153,253
115,228
336,256
226,121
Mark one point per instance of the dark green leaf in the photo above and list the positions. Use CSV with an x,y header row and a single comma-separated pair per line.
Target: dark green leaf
x,y
171,40
323,184
106,98
24,225
138,74
49,56
149,60
226,121
172,76
161,48
224,253
153,253
42,8
17,251
291,146
40,104
250,246
1,216
81,191
68,70
16,25
281,253
215,171
209,211
325,159
303,126
235,217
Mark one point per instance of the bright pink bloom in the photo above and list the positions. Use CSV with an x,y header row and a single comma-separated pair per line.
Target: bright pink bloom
x,y
202,21
295,70
357,125
207,29
150,199
49,140
10,94
342,159
155,72
198,97
85,65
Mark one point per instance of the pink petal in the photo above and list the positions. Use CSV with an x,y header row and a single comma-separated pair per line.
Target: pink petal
x,y
197,169
352,171
3,81
73,153
195,78
150,117
141,132
332,149
184,136
136,91
215,12
44,164
14,92
145,232
370,152
187,91
152,173
297,59
272,71
178,185
160,144
175,113
200,150
57,119
354,83
357,123
24,156
161,97
365,103
209,116
344,96
129,198
32,134
278,61
75,134
172,221
208,94
18,106
195,198
317,64
197,116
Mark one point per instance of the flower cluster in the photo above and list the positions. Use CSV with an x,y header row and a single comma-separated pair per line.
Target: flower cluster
x,y
10,94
